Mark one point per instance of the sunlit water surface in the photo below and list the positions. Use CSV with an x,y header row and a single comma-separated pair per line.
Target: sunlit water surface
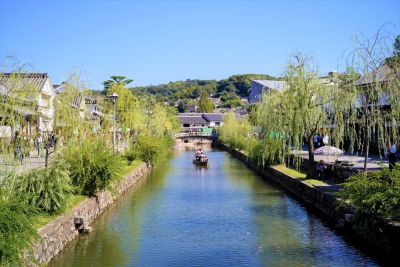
x,y
225,215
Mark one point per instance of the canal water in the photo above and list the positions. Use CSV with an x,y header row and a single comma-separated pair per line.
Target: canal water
x,y
223,215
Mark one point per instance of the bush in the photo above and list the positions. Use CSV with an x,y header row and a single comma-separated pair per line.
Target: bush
x,y
92,165
376,195
46,189
16,232
150,148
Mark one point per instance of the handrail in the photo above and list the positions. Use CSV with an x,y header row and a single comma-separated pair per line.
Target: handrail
x,y
186,134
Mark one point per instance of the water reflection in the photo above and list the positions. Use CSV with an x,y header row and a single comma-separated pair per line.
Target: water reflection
x,y
223,215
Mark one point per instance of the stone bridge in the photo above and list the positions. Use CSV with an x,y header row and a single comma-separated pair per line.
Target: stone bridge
x,y
193,138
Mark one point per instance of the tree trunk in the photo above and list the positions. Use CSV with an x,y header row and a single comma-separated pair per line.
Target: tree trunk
x,y
46,158
366,147
311,148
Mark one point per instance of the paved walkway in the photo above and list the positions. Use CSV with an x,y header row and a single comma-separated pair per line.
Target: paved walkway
x,y
357,159
29,163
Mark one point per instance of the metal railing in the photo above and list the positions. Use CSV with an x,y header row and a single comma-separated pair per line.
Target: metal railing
x,y
190,134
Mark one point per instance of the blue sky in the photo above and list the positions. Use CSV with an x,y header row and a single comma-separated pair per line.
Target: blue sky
x,y
156,42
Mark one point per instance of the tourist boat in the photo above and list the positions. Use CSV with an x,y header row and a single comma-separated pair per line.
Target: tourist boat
x,y
200,161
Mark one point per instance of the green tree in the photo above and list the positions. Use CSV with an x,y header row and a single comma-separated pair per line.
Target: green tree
x,y
297,112
45,189
205,104
129,112
397,46
365,118
230,100
17,233
116,80
376,195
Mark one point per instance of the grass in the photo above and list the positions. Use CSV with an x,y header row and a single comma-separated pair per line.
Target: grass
x,y
314,182
42,219
299,175
127,168
291,172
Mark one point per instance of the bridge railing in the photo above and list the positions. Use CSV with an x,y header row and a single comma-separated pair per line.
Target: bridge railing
x,y
190,134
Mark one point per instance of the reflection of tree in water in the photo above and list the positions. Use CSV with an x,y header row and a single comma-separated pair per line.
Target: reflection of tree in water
x,y
278,235
286,233
112,243
93,250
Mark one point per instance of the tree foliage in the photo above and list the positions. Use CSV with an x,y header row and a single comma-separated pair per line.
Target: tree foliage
x,y
46,189
205,104
116,79
296,113
376,195
17,233
236,133
91,164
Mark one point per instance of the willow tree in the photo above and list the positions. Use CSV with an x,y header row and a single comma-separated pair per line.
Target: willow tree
x,y
129,113
205,104
236,133
69,105
18,107
371,109
298,112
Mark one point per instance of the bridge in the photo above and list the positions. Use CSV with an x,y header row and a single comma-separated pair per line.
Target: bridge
x,y
195,137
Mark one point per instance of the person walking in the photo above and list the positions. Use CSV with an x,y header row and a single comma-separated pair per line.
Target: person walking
x,y
38,144
392,157
17,144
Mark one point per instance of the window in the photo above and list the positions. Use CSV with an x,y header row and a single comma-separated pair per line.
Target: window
x,y
186,125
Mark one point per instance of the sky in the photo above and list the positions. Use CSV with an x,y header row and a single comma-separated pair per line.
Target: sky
x,y
155,42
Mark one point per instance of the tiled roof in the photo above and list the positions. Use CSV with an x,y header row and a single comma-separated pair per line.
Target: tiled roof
x,y
24,81
382,74
213,116
192,119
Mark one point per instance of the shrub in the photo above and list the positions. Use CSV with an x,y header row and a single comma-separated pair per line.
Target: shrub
x,y
92,165
150,148
376,195
46,189
16,232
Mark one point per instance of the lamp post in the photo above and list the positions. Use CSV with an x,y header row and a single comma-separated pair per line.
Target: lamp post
x,y
114,98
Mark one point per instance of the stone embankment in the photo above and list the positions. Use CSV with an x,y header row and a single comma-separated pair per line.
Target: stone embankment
x,y
58,233
385,237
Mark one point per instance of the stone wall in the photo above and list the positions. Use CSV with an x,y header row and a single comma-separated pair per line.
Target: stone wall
x,y
58,233
385,237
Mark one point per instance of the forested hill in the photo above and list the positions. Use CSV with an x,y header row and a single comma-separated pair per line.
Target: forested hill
x,y
191,89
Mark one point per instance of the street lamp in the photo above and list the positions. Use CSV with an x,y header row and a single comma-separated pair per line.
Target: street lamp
x,y
114,98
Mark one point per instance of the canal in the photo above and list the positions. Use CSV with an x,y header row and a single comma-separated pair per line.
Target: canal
x,y
225,215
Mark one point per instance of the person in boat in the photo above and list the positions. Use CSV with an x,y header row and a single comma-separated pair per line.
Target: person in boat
x,y
198,154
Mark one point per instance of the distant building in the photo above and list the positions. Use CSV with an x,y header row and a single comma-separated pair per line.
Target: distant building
x,y
39,116
258,87
200,120
192,108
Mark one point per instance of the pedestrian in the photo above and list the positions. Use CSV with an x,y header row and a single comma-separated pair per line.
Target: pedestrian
x,y
17,144
320,169
316,138
392,157
325,140
38,143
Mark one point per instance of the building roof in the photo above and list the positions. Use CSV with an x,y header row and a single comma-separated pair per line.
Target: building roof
x,y
213,116
382,74
277,85
200,118
25,81
196,119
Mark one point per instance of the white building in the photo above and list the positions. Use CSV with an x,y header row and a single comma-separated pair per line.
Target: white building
x,y
258,87
34,94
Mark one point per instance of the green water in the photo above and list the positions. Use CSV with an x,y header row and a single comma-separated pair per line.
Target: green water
x,y
225,215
